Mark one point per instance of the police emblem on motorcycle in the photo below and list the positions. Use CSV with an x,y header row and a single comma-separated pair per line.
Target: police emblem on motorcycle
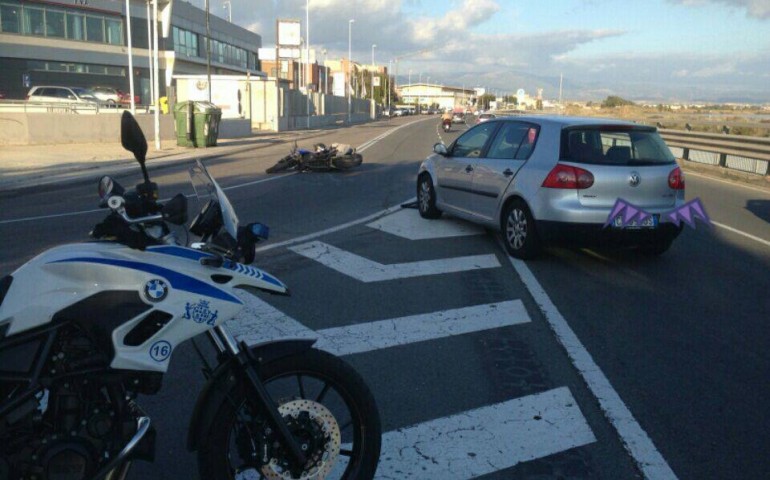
x,y
200,313
155,290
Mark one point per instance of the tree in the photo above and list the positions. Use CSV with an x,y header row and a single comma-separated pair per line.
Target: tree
x,y
614,101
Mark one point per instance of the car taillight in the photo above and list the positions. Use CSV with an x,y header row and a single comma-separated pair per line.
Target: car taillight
x,y
676,179
566,176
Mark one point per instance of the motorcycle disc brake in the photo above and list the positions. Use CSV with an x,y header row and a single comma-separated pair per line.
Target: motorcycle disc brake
x,y
312,421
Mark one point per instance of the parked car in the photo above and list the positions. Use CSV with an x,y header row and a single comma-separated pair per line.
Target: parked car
x,y
49,94
399,112
108,95
124,98
483,117
548,180
2,95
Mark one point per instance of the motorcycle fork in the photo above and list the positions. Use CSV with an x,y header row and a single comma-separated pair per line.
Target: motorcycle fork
x,y
260,398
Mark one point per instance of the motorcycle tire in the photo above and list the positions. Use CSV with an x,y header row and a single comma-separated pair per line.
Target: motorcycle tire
x,y
306,387
283,164
347,161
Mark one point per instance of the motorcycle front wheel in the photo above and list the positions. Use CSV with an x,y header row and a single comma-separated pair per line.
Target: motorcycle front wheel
x,y
285,163
326,405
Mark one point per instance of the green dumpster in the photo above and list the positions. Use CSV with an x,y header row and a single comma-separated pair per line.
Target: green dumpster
x,y
183,124
196,124
207,117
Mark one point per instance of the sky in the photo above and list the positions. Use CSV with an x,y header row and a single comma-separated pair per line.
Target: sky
x,y
642,50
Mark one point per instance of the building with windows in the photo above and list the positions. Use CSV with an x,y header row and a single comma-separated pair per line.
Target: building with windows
x,y
84,43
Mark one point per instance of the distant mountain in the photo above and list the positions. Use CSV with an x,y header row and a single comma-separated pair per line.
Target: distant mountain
x,y
508,82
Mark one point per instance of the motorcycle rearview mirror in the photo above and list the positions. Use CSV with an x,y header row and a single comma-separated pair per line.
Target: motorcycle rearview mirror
x,y
109,187
132,138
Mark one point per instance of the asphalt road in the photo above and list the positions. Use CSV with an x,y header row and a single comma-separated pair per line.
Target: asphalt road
x,y
681,339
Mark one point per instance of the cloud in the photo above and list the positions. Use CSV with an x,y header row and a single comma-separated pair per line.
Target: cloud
x,y
754,8
452,49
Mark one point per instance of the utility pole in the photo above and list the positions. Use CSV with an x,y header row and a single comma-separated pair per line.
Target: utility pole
x,y
208,51
350,64
373,47
307,60
157,72
229,6
130,59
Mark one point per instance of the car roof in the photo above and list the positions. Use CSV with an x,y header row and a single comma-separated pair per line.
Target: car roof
x,y
561,121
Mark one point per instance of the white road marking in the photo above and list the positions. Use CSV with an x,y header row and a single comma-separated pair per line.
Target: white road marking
x,y
366,270
408,224
485,440
337,228
261,322
738,232
365,337
639,445
728,182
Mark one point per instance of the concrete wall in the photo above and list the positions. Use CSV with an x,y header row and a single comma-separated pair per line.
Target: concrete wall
x,y
62,128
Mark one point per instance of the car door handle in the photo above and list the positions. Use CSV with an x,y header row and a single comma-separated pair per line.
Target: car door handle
x,y
507,172
469,169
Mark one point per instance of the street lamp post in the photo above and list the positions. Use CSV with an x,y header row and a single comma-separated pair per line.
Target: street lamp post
x,y
350,49
388,85
307,60
373,66
229,6
326,74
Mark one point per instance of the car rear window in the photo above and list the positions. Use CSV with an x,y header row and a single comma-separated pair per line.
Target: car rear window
x,y
614,145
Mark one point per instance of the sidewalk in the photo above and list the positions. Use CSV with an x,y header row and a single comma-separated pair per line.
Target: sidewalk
x,y
34,165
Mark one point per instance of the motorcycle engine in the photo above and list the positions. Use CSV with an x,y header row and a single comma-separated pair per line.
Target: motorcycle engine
x,y
72,427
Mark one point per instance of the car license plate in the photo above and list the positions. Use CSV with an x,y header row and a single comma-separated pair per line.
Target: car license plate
x,y
648,222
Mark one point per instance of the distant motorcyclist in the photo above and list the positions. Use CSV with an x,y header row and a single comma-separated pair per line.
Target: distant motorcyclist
x,y
446,116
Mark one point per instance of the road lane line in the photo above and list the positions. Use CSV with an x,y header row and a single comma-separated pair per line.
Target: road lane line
x,y
485,440
744,234
393,332
634,438
727,182
311,236
261,322
367,271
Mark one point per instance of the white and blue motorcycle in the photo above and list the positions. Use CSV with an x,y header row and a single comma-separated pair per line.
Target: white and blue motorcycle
x,y
85,328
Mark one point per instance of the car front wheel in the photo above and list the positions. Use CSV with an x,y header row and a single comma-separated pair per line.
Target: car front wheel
x,y
426,198
519,233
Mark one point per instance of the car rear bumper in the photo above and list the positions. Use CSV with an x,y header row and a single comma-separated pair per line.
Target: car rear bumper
x,y
595,234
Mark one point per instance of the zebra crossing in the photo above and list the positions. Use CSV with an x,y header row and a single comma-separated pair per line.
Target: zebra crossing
x,y
463,445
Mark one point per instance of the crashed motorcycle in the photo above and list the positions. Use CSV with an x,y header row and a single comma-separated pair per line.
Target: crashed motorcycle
x,y
321,158
85,328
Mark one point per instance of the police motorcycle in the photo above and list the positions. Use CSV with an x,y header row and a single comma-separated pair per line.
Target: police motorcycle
x,y
85,328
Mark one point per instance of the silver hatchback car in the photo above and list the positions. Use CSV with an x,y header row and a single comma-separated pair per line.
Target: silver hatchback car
x,y
547,180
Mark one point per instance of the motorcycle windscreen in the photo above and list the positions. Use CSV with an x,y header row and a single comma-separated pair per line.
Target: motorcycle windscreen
x,y
206,188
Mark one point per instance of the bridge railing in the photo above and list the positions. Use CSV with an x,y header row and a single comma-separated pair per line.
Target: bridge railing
x,y
736,152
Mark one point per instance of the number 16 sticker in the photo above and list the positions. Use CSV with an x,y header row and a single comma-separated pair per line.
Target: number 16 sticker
x,y
160,350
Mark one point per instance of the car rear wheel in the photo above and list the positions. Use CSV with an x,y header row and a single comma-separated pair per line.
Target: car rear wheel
x,y
519,233
426,198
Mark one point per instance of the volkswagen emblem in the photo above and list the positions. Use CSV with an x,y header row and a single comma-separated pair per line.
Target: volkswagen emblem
x,y
635,179
155,290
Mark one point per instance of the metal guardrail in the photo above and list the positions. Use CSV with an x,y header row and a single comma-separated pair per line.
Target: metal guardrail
x,y
22,106
744,153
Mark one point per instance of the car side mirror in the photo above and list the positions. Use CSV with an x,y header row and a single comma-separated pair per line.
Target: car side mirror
x,y
440,149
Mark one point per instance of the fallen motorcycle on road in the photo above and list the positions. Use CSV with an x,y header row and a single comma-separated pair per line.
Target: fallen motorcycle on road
x,y
322,158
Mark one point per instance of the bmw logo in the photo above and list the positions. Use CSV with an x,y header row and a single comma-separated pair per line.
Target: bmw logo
x,y
155,290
